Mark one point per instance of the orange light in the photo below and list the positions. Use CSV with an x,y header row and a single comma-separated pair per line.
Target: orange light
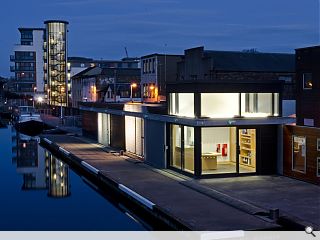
x,y
133,85
151,87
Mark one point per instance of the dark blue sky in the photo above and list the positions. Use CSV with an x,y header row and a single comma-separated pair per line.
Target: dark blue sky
x,y
101,28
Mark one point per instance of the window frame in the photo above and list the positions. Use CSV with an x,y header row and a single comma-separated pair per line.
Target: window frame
x,y
303,81
318,144
318,165
305,157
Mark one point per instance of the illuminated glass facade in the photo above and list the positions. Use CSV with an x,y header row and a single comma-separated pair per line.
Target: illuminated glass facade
x,y
56,63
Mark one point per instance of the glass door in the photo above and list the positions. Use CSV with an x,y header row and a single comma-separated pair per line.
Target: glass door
x,y
176,146
247,150
182,148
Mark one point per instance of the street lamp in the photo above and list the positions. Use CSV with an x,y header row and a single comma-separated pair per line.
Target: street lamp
x,y
133,85
34,95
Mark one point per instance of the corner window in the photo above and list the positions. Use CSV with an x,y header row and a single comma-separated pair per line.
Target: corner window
x,y
182,104
307,81
257,104
299,154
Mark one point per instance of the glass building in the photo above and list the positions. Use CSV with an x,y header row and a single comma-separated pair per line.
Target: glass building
x,y
55,58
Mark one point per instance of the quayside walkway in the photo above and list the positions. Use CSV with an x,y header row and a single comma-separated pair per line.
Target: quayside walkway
x,y
194,210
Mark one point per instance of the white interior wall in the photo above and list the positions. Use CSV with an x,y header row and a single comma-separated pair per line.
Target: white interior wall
x,y
186,104
217,105
213,136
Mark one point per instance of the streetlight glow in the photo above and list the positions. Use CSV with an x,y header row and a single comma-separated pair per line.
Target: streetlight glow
x,y
40,99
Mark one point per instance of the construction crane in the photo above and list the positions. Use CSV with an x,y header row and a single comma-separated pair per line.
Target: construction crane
x,y
125,48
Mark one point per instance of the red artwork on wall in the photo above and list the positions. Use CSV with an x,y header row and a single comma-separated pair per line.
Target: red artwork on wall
x,y
224,149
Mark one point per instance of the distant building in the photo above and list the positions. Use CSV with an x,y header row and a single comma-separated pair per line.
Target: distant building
x,y
96,84
156,70
2,82
79,64
55,58
28,62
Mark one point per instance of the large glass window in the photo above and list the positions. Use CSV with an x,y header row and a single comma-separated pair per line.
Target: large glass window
x,y
219,105
218,150
188,149
276,104
182,104
299,154
256,104
176,146
182,148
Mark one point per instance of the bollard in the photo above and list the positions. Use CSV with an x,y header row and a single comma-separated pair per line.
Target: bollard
x,y
121,153
274,214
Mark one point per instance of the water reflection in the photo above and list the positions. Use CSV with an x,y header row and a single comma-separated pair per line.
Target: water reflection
x,y
40,169
59,184
31,175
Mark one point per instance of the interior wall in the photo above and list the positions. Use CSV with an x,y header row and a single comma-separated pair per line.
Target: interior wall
x,y
213,136
219,104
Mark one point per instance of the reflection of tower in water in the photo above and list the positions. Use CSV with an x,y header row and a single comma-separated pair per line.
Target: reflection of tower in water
x,y
59,185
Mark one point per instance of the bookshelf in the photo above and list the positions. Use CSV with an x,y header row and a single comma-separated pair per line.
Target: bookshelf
x,y
247,142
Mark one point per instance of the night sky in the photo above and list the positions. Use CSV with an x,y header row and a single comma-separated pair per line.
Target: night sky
x,y
102,28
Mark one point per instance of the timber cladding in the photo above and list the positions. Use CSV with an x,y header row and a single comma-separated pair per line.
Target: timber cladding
x,y
90,124
311,135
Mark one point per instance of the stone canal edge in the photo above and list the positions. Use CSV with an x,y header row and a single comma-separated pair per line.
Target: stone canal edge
x,y
153,209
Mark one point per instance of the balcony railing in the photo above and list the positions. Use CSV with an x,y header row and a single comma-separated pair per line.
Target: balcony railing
x,y
12,58
12,68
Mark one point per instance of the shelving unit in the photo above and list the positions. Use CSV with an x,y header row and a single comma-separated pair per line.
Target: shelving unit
x,y
247,141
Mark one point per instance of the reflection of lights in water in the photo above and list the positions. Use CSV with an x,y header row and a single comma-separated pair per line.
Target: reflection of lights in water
x,y
59,185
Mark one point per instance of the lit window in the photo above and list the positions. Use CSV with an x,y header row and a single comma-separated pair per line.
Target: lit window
x,y
219,105
307,80
182,104
299,154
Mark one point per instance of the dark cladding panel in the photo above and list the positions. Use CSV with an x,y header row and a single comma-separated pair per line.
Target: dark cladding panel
x,y
155,143
267,147
117,135
90,124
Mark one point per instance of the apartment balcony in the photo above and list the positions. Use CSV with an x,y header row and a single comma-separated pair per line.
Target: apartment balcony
x,y
12,58
22,69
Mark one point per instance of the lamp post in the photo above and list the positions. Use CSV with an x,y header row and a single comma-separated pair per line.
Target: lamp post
x,y
34,95
133,85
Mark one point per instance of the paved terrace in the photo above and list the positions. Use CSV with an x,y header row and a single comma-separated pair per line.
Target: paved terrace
x,y
194,209
297,199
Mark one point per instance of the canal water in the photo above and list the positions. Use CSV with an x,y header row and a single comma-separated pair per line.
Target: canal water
x,y
41,192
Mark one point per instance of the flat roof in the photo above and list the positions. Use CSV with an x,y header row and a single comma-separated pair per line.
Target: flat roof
x,y
162,54
56,21
30,28
310,47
